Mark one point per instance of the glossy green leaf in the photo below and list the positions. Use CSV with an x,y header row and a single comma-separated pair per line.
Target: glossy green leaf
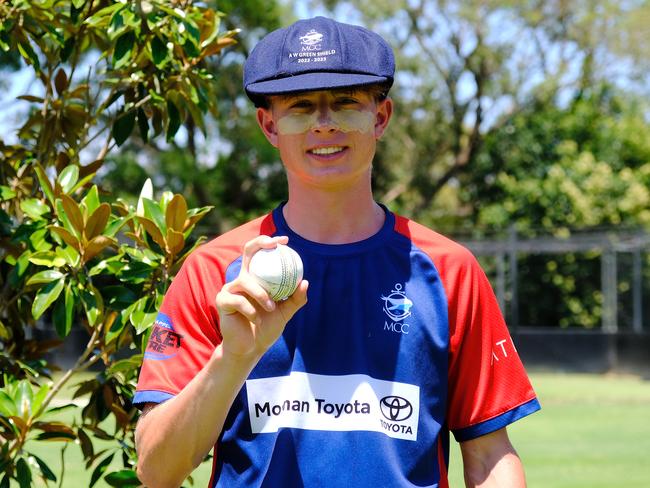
x,y
143,125
23,474
68,46
7,405
123,126
125,477
153,212
69,254
115,329
46,297
40,396
24,397
47,258
44,182
27,52
174,120
166,197
91,200
103,16
159,52
63,313
45,469
68,178
46,276
93,305
114,225
6,193
100,469
34,208
123,49
19,269
38,240
191,49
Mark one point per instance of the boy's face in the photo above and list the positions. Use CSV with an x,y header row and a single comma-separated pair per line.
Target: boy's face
x,y
326,138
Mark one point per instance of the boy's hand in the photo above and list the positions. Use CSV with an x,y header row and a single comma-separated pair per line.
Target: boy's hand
x,y
250,321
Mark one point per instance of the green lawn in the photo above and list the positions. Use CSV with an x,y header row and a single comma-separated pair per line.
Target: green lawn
x,y
593,431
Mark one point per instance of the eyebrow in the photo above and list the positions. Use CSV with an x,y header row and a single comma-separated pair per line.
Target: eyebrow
x,y
336,92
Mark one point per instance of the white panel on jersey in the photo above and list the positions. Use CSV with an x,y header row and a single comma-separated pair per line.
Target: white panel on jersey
x,y
336,403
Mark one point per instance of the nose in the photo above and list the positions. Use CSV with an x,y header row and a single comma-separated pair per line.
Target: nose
x,y
324,122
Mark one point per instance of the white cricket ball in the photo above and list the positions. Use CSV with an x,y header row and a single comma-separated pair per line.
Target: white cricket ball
x,y
278,271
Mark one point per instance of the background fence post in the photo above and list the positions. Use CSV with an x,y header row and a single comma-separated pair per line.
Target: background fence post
x,y
637,294
608,284
514,279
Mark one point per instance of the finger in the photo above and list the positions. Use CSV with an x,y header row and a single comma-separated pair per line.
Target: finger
x,y
247,285
295,302
260,242
231,303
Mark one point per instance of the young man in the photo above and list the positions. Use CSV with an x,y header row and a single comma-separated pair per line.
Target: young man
x,y
401,340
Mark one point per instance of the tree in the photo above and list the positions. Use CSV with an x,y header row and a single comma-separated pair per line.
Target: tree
x,y
552,170
71,256
466,67
230,163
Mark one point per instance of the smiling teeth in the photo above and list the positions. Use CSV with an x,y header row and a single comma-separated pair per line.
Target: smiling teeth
x,y
327,150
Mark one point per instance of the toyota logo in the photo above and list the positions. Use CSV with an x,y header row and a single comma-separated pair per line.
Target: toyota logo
x,y
395,408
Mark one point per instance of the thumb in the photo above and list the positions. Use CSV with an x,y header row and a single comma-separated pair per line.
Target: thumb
x,y
295,302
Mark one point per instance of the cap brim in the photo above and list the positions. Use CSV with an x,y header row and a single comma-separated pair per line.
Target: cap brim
x,y
312,81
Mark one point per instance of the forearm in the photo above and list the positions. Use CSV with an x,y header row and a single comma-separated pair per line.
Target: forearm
x,y
492,462
174,437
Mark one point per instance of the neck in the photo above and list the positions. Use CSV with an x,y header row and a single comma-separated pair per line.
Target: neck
x,y
333,218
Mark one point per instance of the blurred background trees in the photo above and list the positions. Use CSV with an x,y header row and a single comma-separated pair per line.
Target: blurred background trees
x,y
530,117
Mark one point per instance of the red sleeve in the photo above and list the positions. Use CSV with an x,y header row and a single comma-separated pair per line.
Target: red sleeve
x,y
488,386
186,330
184,334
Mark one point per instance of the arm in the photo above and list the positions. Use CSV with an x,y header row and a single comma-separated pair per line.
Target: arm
x,y
174,437
491,461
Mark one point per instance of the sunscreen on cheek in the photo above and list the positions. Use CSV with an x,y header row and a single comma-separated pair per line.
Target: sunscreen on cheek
x,y
343,120
353,120
296,123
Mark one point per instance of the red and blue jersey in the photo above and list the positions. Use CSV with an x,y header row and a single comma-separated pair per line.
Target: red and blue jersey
x,y
400,343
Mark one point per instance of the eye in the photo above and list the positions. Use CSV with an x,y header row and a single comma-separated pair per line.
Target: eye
x,y
301,105
347,101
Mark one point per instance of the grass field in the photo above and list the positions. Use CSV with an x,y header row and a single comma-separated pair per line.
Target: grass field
x,y
592,432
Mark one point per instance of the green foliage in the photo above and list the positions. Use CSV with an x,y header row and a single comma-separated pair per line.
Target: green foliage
x,y
73,258
553,170
231,163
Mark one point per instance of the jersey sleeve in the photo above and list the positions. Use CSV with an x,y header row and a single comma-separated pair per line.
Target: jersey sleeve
x,y
488,386
184,334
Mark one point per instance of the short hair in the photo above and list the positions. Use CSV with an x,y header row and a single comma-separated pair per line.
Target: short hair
x,y
378,91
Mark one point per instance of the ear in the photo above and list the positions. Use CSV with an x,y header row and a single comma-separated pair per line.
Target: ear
x,y
267,123
384,113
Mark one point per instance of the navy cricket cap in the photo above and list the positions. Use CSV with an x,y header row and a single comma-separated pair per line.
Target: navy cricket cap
x,y
317,54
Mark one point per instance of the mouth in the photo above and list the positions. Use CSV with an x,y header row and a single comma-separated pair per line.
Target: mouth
x,y
326,151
